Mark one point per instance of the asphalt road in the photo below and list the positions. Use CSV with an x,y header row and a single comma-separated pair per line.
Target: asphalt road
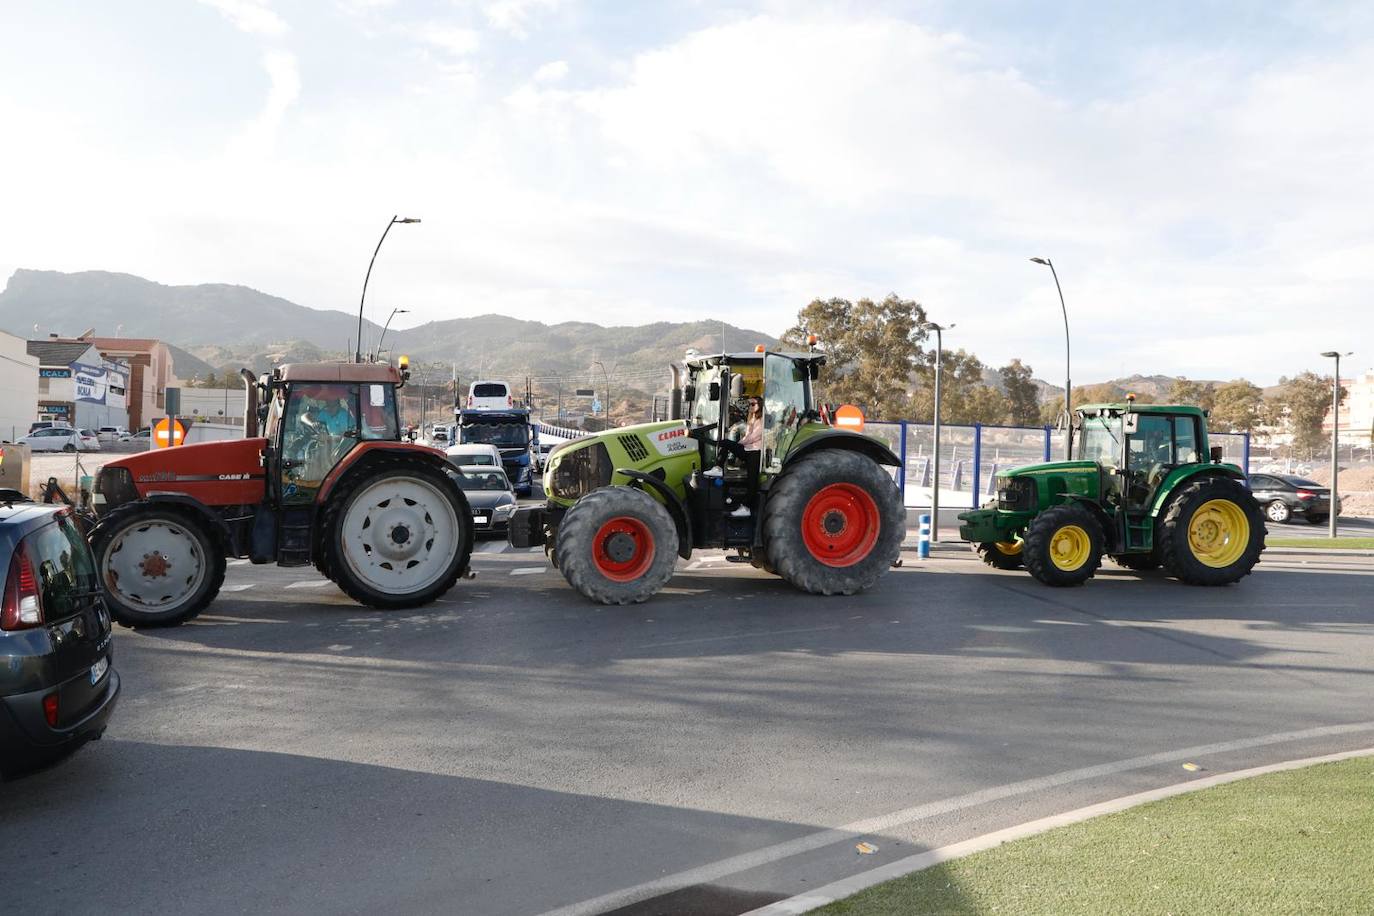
x,y
513,749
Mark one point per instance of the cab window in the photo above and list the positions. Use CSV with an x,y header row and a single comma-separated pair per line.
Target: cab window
x,y
1152,445
1185,440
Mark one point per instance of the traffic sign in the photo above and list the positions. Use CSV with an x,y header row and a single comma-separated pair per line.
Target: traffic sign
x,y
850,417
596,405
585,392
168,432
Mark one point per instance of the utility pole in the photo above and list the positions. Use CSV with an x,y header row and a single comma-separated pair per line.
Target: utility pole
x,y
1335,436
935,457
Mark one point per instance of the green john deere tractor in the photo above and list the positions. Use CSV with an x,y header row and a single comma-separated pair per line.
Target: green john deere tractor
x,y
1144,489
746,464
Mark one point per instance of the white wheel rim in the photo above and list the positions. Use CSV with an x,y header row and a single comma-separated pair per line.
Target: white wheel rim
x,y
1276,511
400,535
155,565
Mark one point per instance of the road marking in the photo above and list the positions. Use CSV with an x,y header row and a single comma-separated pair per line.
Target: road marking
x,y
527,570
714,871
688,642
237,563
847,887
241,587
310,583
490,547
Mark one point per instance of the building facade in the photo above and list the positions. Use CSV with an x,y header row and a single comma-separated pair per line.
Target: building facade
x,y
1357,412
150,374
79,386
18,387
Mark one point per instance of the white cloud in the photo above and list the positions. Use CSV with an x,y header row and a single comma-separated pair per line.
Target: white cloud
x,y
516,17
552,72
456,41
252,16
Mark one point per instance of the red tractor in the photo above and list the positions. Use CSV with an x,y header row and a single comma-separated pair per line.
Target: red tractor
x,y
327,482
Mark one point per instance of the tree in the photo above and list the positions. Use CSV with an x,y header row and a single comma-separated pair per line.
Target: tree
x,y
1237,407
964,397
872,347
1023,401
1184,391
1306,398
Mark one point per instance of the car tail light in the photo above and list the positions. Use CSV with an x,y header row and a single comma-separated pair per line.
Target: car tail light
x,y
510,401
22,604
50,709
469,400
1306,494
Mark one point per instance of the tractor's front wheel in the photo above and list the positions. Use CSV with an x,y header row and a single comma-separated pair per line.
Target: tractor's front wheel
x,y
833,523
1064,545
398,536
159,565
1002,554
1212,533
617,545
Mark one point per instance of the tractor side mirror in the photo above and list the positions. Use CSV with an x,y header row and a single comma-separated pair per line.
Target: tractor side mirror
x,y
715,391
689,394
736,387
1131,423
1216,452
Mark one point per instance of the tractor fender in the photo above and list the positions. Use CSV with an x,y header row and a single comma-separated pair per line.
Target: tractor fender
x,y
676,508
1180,475
843,439
213,522
1109,532
364,453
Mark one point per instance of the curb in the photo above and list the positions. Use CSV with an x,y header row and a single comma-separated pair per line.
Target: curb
x,y
847,887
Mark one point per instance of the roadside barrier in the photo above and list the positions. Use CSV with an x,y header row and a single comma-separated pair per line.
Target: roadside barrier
x,y
923,537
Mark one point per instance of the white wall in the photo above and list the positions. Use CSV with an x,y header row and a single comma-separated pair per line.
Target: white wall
x,y
18,387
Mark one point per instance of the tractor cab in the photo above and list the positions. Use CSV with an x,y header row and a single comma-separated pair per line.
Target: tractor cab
x,y
1138,447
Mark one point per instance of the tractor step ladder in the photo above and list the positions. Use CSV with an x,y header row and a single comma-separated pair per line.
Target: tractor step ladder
x,y
1139,529
294,549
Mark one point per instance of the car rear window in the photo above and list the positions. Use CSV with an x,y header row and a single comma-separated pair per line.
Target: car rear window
x,y
66,574
1303,482
489,391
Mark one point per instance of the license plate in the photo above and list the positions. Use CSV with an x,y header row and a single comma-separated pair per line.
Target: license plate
x,y
98,670
479,519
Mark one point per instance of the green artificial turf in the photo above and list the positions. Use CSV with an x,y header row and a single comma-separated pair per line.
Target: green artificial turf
x,y
1300,841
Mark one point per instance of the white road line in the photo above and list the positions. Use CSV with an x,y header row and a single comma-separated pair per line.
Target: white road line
x,y
714,871
490,547
242,587
310,583
236,562
847,887
528,570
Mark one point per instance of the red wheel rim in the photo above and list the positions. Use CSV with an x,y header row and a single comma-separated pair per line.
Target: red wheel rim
x,y
840,524
623,549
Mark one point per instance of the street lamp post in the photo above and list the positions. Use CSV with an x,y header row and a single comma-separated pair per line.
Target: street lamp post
x,y
1335,434
358,344
1068,382
935,456
394,313
606,376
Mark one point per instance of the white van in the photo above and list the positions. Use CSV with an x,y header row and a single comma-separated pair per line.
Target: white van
x,y
489,395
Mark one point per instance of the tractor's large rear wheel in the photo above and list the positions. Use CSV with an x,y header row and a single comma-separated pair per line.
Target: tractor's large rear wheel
x,y
833,523
1212,533
617,545
159,564
397,536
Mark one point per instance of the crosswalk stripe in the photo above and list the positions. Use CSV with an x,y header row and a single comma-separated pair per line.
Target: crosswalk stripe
x,y
310,583
237,563
241,587
527,570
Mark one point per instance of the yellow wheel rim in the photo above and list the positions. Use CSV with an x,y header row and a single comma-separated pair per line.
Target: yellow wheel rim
x,y
1070,547
1008,548
1218,533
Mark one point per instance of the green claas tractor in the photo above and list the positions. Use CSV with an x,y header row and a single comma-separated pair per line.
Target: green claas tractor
x,y
746,464
1144,489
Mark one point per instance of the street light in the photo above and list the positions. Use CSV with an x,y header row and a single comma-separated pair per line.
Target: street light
x,y
1335,433
1068,383
358,344
935,490
394,313
605,375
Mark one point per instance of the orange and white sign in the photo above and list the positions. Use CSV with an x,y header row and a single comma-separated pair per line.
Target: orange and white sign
x,y
849,417
168,432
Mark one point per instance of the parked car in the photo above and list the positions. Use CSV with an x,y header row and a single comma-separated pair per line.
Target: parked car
x,y
1285,497
489,395
61,439
58,685
112,434
490,495
473,454
48,424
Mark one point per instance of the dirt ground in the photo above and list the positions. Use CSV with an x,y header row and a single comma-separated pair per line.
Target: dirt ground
x,y
1356,487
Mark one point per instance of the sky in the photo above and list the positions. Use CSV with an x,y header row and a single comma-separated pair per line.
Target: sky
x,y
1201,174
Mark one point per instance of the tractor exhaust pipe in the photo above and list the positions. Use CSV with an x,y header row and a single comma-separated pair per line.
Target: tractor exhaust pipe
x,y
250,409
675,396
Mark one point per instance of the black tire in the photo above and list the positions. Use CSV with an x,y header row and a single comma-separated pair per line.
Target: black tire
x,y
617,545
69,447
120,529
805,561
1050,531
996,556
1278,512
1175,546
351,574
1137,562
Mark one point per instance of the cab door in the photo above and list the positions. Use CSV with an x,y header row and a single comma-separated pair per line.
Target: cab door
x,y
785,402
319,425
